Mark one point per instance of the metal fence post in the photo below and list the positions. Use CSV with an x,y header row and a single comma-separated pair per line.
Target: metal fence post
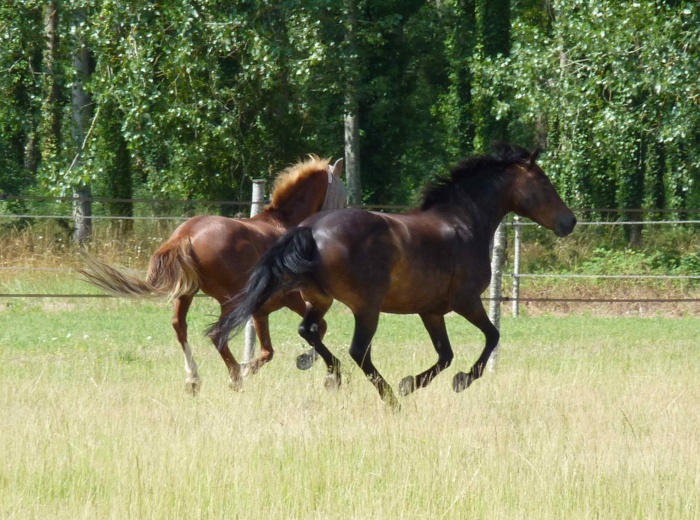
x,y
495,289
258,201
516,265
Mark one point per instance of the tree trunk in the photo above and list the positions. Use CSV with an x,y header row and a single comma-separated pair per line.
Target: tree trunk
x,y
118,167
493,26
50,131
655,175
352,121
631,192
460,50
81,107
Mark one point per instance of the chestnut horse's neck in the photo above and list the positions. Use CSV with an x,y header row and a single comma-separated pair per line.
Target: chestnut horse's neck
x,y
302,201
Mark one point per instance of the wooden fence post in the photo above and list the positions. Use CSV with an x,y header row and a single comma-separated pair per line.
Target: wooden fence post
x,y
515,295
258,201
495,289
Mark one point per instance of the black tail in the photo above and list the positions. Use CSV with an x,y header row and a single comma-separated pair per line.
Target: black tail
x,y
284,267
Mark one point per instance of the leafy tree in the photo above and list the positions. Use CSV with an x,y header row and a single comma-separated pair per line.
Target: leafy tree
x,y
194,98
493,27
610,82
20,63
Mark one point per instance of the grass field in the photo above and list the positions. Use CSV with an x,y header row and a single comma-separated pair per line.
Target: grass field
x,y
585,417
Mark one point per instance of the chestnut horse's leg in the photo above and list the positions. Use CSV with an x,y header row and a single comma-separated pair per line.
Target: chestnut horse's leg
x,y
234,369
182,305
312,329
476,314
435,324
261,323
360,350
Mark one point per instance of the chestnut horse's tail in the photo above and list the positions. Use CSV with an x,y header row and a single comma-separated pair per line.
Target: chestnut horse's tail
x,y
284,267
172,273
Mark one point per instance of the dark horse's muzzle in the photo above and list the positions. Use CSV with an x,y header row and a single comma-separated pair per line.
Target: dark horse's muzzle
x,y
565,225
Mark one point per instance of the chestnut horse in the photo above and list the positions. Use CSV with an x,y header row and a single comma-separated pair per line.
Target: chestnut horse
x,y
216,255
429,261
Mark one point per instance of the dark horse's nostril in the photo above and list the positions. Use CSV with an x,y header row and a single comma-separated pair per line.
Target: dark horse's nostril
x,y
573,221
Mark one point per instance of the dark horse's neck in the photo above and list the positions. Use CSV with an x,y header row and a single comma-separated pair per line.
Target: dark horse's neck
x,y
477,193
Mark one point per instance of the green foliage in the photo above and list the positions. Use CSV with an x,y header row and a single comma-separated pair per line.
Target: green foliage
x,y
20,55
593,416
604,83
629,261
194,98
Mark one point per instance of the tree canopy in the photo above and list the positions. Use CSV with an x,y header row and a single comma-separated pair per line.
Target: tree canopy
x,y
194,98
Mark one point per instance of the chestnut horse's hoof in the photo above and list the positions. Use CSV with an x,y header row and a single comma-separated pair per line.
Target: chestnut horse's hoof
x,y
461,381
236,384
332,382
407,385
250,368
306,360
192,386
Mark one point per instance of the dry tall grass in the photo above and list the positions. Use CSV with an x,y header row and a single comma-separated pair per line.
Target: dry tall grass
x,y
584,418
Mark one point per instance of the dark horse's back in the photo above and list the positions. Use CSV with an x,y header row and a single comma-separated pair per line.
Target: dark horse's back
x,y
401,264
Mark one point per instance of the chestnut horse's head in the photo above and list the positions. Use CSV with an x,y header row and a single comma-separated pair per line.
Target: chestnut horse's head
x,y
306,188
336,196
533,196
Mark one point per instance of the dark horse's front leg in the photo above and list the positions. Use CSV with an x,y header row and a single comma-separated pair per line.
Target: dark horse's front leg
x,y
435,324
360,351
476,314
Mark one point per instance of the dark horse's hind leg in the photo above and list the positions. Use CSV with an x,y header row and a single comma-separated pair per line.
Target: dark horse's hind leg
x,y
312,329
360,351
476,314
435,324
306,360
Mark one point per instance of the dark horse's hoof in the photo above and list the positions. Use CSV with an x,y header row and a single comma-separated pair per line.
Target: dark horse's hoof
x,y
332,382
461,381
306,360
407,385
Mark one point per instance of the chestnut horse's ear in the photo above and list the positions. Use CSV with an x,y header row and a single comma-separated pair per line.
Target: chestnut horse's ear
x,y
534,155
336,170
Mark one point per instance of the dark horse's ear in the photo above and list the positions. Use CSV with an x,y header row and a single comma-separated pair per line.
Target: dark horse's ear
x,y
534,155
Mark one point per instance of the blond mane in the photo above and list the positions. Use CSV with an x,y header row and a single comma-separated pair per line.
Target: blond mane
x,y
284,185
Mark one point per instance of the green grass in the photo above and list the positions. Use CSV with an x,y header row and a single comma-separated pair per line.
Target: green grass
x,y
585,417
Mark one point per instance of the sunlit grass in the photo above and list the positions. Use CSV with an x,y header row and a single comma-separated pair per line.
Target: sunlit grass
x,y
584,418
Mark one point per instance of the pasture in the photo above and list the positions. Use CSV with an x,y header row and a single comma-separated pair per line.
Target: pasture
x,y
585,417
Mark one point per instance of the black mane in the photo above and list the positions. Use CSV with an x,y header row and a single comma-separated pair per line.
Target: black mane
x,y
472,174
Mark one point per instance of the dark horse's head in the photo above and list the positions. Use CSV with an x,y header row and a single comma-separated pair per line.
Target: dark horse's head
x,y
533,195
509,180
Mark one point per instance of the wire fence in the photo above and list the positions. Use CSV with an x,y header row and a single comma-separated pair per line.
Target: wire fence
x,y
515,274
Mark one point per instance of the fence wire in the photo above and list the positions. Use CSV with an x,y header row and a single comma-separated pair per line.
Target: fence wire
x,y
516,276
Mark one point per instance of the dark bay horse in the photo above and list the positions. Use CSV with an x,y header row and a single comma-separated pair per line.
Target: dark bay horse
x,y
217,254
429,261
